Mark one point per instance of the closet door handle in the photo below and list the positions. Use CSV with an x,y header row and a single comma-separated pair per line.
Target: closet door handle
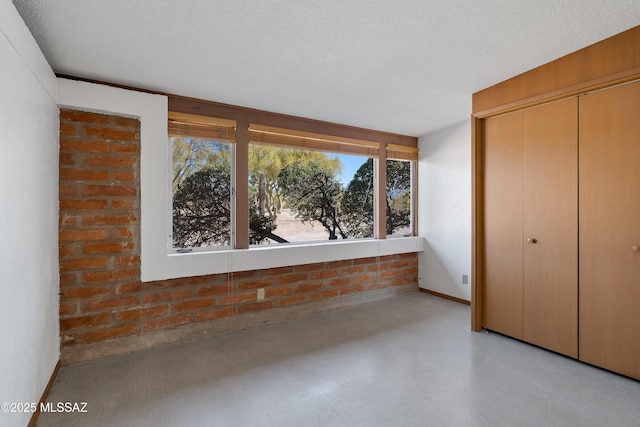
x,y
532,240
635,248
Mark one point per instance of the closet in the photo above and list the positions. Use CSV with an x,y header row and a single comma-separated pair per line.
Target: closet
x,y
610,229
531,229
561,226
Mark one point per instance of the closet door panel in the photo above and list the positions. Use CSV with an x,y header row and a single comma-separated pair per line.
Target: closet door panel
x,y
502,300
551,226
610,229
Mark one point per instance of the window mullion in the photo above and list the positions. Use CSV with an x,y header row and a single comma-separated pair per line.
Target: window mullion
x,y
380,197
241,186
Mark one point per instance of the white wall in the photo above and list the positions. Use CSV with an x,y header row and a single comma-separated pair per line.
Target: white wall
x,y
444,210
29,281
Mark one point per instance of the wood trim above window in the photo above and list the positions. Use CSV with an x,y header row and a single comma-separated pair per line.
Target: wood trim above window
x,y
191,125
279,137
401,152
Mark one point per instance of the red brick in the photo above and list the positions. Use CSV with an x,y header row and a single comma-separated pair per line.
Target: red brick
x,y
255,284
128,288
67,190
389,274
110,161
106,247
239,275
125,204
93,205
164,323
292,300
84,146
351,289
124,176
122,233
65,250
82,263
325,274
67,129
66,159
308,287
309,267
68,279
126,148
409,272
354,270
211,290
85,321
237,298
109,333
330,293
217,313
109,190
127,261
67,307
195,304
361,261
79,235
154,286
166,296
122,219
109,133
67,339
278,271
67,174
109,276
364,278
84,292
291,278
109,304
66,219
142,313
340,282
83,116
334,265
401,263
126,122
278,290
378,267
256,306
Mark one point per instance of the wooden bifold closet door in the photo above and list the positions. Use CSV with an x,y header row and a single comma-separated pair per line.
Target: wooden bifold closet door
x,y
610,229
531,225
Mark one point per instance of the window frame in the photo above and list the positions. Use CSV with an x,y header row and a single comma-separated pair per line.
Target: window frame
x,y
197,126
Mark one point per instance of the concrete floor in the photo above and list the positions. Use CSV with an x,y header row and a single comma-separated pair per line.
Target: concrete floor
x,y
409,360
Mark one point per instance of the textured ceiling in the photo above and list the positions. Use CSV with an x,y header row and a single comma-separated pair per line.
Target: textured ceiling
x,y
403,66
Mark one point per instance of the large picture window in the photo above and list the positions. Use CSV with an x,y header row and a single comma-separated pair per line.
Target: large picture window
x,y
299,186
298,195
201,182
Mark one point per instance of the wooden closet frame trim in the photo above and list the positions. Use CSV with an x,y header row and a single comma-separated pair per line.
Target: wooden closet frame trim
x,y
610,62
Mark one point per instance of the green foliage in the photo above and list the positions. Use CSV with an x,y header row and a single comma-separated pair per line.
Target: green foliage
x,y
398,195
313,192
189,155
357,202
266,162
202,210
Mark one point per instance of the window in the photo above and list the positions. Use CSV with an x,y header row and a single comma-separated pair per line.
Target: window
x,y
399,198
201,182
309,187
301,186
305,195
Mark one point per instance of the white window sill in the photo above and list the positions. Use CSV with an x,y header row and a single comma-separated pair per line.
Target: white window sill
x,y
263,257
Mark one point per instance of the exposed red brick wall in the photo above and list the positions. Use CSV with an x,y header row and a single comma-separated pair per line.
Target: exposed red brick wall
x,y
101,296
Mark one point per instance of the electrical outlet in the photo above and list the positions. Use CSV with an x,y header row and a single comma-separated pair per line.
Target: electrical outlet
x,y
260,294
465,279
